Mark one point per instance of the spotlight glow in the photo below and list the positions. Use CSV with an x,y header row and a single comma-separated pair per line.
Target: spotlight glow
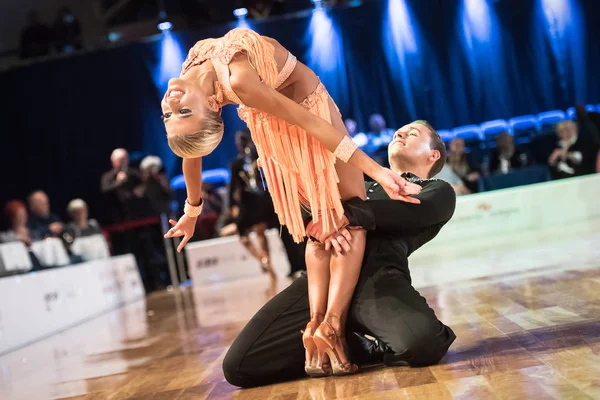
x,y
240,12
400,27
477,22
164,26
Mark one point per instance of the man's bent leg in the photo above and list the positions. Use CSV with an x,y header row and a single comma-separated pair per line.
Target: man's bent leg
x,y
269,349
387,307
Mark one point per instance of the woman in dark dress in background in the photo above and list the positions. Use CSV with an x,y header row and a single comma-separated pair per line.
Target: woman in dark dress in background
x,y
247,192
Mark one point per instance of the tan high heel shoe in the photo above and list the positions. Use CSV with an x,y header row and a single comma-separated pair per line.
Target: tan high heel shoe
x,y
312,366
331,343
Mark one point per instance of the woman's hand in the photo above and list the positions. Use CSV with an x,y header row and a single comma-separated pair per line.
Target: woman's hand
x,y
339,241
473,176
185,227
315,229
396,186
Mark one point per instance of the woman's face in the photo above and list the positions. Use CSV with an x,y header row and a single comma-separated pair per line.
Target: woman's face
x,y
457,146
183,107
20,218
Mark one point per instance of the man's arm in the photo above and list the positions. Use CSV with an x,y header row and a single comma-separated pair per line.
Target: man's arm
x,y
109,182
438,201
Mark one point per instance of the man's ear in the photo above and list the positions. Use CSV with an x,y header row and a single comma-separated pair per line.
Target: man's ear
x,y
435,155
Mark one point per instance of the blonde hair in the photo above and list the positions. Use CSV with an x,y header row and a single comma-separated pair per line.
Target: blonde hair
x,y
76,204
202,142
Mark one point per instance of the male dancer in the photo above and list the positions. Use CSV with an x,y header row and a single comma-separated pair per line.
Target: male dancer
x,y
388,321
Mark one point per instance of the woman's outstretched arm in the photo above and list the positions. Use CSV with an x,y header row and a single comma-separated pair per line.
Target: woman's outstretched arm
x,y
246,83
192,172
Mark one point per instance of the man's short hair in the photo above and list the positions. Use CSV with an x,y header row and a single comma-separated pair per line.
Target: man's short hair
x,y
436,144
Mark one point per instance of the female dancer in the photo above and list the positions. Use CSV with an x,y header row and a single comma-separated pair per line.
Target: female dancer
x,y
247,192
298,133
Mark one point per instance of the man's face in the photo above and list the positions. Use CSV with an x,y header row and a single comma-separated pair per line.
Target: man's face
x,y
411,143
567,130
119,159
40,205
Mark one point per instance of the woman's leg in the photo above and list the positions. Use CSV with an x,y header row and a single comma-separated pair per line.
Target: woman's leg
x,y
247,243
263,244
345,268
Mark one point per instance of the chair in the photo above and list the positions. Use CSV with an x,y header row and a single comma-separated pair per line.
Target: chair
x,y
216,177
473,137
524,128
491,129
548,120
446,136
572,113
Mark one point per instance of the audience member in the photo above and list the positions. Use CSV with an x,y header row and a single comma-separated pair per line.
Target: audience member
x,y
42,221
505,157
260,9
155,185
80,225
36,38
379,135
462,165
568,159
16,215
448,175
67,32
118,184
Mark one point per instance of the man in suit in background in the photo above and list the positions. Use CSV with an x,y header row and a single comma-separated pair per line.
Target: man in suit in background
x,y
118,185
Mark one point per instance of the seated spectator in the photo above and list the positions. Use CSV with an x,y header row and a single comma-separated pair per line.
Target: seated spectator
x,y
155,185
67,32
42,221
81,226
16,214
567,159
462,165
505,157
448,175
379,135
36,38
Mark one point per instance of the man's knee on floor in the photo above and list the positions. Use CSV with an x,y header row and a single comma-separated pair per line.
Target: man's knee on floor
x,y
420,349
231,368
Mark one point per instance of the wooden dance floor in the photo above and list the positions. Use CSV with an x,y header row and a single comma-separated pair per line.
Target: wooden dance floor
x,y
526,310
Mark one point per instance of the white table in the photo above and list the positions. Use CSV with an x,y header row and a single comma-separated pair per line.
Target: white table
x,y
51,252
14,257
92,247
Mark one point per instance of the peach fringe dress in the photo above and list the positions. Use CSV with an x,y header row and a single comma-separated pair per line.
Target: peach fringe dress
x,y
299,171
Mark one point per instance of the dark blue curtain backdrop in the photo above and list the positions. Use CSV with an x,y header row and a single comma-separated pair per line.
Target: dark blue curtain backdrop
x,y
452,62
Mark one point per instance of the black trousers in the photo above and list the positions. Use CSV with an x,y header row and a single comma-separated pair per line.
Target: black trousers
x,y
389,322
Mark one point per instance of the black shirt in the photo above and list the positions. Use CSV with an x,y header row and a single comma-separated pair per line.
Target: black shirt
x,y
246,181
40,226
123,203
396,228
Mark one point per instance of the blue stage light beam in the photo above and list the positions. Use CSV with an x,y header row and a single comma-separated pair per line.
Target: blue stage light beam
x,y
241,14
477,22
400,47
325,54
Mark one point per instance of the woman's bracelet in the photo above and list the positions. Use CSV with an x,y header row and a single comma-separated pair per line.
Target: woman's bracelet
x,y
345,149
193,211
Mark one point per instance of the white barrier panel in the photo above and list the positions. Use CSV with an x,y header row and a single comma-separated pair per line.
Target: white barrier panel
x,y
225,259
514,210
38,304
